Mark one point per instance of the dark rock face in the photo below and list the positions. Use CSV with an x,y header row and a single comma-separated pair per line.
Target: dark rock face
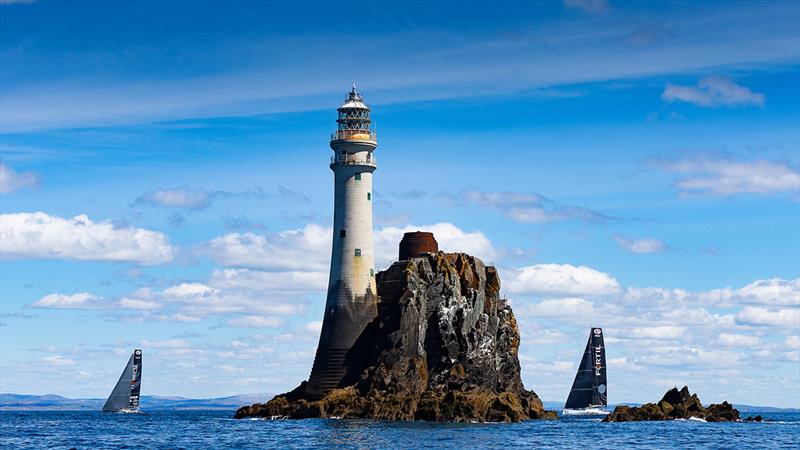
x,y
676,404
443,348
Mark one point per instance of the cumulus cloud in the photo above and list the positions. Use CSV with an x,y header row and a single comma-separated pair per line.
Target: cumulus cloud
x,y
721,176
641,245
308,249
769,317
254,298
12,181
713,92
450,238
655,332
560,279
273,281
563,307
526,207
774,291
40,235
81,300
255,322
739,340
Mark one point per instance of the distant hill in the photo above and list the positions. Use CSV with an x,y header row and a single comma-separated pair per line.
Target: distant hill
x,y
18,402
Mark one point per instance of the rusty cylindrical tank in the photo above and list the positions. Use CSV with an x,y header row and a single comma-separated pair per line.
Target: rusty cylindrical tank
x,y
416,243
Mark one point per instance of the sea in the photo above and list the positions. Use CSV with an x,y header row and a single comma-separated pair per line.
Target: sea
x,y
217,429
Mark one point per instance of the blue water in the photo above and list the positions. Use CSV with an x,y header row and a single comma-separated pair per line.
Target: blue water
x,y
216,429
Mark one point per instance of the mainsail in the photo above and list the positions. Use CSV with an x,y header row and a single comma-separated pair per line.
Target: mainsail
x,y
589,388
125,396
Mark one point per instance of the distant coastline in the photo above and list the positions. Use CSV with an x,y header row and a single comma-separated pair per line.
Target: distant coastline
x,y
52,402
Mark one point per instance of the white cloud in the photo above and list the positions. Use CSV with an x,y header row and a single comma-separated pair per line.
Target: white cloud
x,y
720,176
654,332
272,281
176,198
774,291
711,92
12,181
306,249
82,300
131,303
560,279
40,235
526,207
769,317
166,343
450,238
313,327
255,322
58,360
564,307
643,245
739,340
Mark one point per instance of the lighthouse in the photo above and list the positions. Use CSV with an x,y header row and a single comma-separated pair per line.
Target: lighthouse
x,y
352,295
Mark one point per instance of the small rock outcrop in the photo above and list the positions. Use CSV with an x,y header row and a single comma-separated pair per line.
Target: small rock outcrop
x,y
676,404
444,347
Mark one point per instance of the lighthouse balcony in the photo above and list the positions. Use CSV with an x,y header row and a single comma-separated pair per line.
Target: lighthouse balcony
x,y
354,160
354,135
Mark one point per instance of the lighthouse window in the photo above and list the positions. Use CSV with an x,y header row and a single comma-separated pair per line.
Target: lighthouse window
x,y
358,177
358,252
342,233
372,272
369,195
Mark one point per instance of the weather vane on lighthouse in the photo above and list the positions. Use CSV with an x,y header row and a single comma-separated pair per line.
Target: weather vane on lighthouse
x,y
352,295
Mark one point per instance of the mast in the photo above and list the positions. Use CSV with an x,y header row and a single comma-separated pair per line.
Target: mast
x,y
590,387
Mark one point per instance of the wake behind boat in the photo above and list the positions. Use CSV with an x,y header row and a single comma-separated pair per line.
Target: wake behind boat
x,y
125,396
589,393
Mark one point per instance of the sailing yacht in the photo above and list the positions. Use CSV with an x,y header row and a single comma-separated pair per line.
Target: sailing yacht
x,y
125,396
589,393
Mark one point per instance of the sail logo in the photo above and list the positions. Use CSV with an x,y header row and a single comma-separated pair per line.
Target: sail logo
x,y
597,360
597,331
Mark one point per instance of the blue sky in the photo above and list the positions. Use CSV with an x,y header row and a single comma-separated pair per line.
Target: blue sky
x,y
634,166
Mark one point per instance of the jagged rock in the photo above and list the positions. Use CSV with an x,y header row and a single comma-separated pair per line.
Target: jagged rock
x,y
445,348
676,404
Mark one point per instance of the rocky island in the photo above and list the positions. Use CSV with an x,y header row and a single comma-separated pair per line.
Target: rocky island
x,y
676,404
443,347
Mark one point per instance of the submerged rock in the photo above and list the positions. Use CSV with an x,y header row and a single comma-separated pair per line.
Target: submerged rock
x,y
444,347
676,404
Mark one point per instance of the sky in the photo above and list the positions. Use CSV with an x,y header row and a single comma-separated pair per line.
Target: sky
x,y
630,165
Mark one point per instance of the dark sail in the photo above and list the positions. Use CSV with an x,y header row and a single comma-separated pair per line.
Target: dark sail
x,y
125,395
589,387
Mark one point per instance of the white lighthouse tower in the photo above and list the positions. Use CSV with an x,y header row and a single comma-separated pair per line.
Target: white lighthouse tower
x,y
352,296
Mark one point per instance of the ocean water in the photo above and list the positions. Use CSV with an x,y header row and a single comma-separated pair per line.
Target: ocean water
x,y
216,429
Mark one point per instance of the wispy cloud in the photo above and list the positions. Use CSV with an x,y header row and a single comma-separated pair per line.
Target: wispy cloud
x,y
525,207
641,245
713,92
451,65
726,176
12,181
196,199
